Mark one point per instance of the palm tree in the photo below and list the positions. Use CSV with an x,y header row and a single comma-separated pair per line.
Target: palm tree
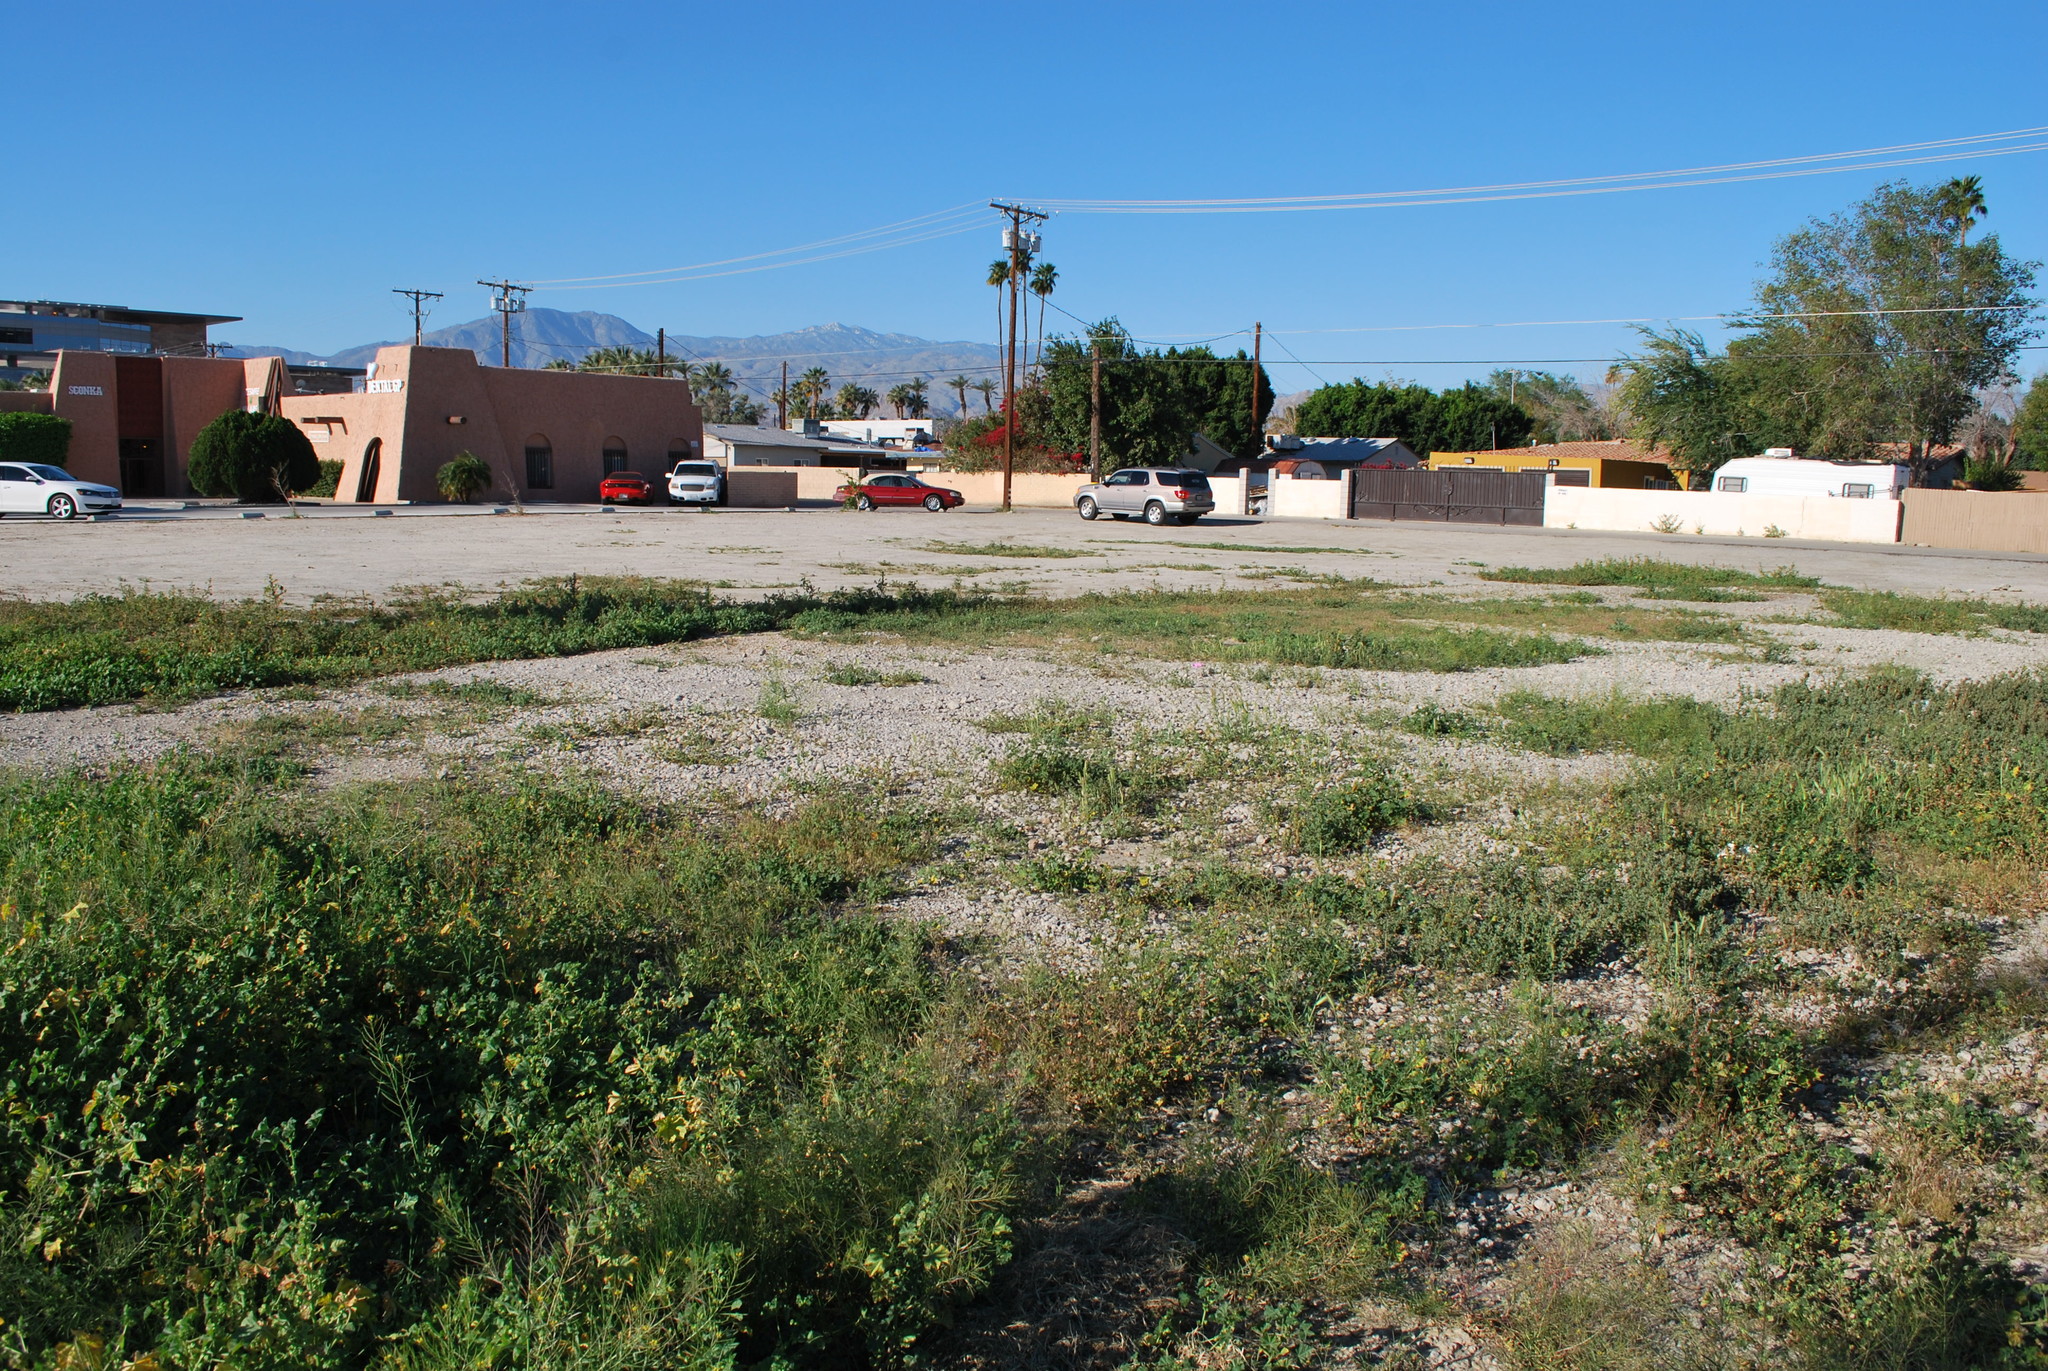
x,y
915,400
709,377
958,385
855,401
812,386
1043,279
899,396
999,276
1962,203
988,391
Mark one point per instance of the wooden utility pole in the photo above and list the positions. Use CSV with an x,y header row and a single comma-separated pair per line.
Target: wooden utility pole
x,y
419,300
1258,434
1018,214
661,352
508,300
782,400
1095,413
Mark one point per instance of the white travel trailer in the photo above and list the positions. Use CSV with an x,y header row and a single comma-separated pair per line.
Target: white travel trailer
x,y
1778,472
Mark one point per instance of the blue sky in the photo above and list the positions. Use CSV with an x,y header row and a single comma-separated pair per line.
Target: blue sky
x,y
292,164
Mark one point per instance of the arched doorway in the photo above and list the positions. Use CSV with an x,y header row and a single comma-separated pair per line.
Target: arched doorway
x,y
366,479
614,455
540,463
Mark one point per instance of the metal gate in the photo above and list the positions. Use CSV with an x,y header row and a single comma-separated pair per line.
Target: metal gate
x,y
1462,497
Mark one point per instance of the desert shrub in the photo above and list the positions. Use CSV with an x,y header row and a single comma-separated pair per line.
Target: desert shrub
x,y
252,457
1987,474
462,478
26,437
1329,821
449,1070
329,483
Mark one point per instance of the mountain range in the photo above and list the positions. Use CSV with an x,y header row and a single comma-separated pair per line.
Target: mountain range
x,y
846,351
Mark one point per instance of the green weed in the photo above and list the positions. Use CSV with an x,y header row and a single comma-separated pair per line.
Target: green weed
x,y
1653,574
853,674
1924,614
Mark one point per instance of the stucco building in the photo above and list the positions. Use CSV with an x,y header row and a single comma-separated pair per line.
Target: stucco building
x,y
551,434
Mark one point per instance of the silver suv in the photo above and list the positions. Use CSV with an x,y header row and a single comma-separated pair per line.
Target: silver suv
x,y
1162,494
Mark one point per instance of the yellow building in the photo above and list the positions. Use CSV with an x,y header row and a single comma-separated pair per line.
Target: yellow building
x,y
1615,464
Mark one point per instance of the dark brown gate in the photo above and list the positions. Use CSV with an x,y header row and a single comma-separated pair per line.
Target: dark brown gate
x,y
139,424
1463,497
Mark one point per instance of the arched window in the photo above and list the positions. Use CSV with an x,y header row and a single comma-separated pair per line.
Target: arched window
x,y
366,480
614,455
540,463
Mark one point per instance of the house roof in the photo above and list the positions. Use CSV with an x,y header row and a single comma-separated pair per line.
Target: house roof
x,y
1339,449
779,437
1613,449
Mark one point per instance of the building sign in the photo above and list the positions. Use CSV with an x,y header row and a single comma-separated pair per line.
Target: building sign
x,y
83,390
391,387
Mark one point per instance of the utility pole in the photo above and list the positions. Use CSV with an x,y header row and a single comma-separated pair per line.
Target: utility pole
x,y
661,352
419,300
1013,239
507,299
782,399
1095,412
1258,436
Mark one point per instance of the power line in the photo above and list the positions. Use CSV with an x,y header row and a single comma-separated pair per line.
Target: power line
x,y
922,220
507,299
420,311
2000,144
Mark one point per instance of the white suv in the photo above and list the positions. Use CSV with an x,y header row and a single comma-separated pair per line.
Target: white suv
x,y
697,483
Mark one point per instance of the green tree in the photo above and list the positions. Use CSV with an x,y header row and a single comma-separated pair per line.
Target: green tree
x,y
252,457
987,390
1879,325
1469,418
462,478
1558,406
899,398
2030,427
811,388
958,385
1044,278
916,398
1153,403
1682,400
41,438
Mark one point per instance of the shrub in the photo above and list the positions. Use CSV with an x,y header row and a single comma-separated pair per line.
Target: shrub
x,y
329,483
463,477
1989,475
1344,818
250,456
34,438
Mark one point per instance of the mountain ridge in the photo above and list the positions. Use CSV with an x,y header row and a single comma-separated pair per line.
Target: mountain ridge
x,y
848,352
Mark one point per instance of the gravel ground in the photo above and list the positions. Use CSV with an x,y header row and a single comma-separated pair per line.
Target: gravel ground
x,y
754,551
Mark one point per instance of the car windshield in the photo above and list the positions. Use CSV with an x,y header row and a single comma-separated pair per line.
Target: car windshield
x,y
696,469
49,473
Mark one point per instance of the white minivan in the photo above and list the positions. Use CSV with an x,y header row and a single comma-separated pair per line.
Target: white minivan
x,y
1787,475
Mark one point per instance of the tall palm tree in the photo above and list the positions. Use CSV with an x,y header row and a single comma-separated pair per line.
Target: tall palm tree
x,y
709,377
999,276
958,385
1043,279
899,396
813,386
855,401
915,399
1962,203
988,391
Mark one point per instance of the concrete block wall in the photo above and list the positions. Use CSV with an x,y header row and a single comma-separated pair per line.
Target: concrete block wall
x,y
1750,516
1288,498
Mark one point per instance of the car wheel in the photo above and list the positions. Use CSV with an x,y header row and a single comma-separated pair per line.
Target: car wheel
x,y
63,507
1087,508
1155,514
934,503
864,503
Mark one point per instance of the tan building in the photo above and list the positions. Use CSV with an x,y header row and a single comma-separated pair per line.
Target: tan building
x,y
553,434
1613,464
133,418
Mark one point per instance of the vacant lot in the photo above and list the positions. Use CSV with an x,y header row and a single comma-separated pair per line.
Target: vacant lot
x,y
1572,961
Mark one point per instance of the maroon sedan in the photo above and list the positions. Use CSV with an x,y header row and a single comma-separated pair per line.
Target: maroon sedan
x,y
896,488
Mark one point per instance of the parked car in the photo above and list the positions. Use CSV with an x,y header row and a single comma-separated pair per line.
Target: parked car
x,y
625,488
1162,494
32,488
898,488
697,483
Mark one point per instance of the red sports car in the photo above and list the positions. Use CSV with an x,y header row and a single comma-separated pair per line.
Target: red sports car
x,y
625,488
895,488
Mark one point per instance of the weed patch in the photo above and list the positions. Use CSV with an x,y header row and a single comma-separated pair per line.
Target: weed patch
x,y
1653,574
1926,614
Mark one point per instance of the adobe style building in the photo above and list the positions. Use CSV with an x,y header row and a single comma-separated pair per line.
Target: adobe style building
x,y
551,434
133,418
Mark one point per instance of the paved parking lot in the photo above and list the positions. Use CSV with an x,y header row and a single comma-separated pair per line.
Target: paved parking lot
x,y
756,551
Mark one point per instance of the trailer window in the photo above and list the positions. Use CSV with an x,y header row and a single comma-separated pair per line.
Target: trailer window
x,y
1732,485
1859,492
